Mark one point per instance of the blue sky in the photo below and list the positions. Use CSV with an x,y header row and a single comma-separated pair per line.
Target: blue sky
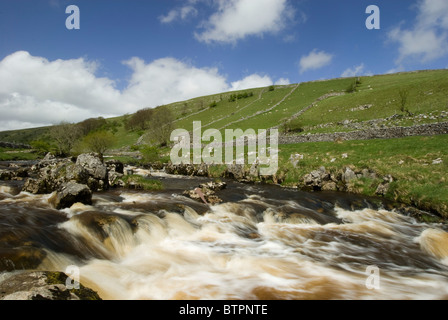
x,y
131,54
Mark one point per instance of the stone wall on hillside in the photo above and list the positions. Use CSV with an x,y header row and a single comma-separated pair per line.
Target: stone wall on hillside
x,y
384,133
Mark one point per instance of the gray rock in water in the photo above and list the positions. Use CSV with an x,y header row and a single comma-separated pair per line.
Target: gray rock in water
x,y
93,164
71,193
43,285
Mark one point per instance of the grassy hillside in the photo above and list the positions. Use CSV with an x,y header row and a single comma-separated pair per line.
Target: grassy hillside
x,y
376,98
338,105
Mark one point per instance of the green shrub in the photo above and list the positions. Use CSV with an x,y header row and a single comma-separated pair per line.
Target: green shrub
x,y
141,183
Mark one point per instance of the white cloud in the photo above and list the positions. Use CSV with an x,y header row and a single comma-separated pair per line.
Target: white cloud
x,y
181,13
35,90
38,92
315,60
252,81
168,80
356,71
428,38
237,19
282,82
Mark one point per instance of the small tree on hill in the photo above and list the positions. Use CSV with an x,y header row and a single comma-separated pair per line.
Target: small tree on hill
x,y
65,135
403,101
99,142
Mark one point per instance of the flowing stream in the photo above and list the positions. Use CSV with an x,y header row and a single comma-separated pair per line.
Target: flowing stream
x,y
262,242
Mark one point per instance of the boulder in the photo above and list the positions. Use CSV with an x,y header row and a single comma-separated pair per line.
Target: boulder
x,y
316,179
235,171
43,285
206,192
93,164
115,166
71,193
348,175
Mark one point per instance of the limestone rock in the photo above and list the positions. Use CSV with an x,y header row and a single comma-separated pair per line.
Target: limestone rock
x,y
93,164
71,193
206,193
43,285
235,171
348,175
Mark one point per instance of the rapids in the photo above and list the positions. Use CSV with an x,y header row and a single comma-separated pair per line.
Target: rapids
x,y
262,242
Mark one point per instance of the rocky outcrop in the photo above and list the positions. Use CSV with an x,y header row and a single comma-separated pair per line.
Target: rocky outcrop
x,y
206,192
344,179
44,285
87,169
70,193
238,172
73,180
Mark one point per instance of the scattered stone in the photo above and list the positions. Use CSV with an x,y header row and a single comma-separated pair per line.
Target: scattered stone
x,y
437,161
44,285
235,171
295,159
348,175
206,193
71,193
93,164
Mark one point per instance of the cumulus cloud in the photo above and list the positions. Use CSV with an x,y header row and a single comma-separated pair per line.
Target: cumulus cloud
x,y
252,81
238,19
282,82
315,60
35,90
168,80
427,40
39,92
180,13
356,71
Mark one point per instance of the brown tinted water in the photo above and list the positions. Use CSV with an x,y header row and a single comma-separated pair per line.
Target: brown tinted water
x,y
262,242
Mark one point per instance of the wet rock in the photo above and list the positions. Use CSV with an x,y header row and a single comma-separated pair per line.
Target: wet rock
x,y
6,175
44,285
202,170
35,186
93,164
330,186
317,178
51,174
235,171
115,179
254,171
21,257
206,193
71,193
115,166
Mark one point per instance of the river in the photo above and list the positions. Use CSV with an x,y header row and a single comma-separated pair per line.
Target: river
x,y
263,242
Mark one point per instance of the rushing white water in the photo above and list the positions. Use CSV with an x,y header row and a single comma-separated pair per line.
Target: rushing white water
x,y
143,245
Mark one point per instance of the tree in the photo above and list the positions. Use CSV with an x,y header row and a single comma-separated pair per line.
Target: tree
x,y
65,136
91,124
140,120
403,101
99,141
161,126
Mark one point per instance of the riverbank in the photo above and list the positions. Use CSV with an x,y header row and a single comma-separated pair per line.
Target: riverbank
x,y
412,171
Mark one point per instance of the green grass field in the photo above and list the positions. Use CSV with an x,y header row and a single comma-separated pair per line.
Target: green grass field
x,y
409,160
376,99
